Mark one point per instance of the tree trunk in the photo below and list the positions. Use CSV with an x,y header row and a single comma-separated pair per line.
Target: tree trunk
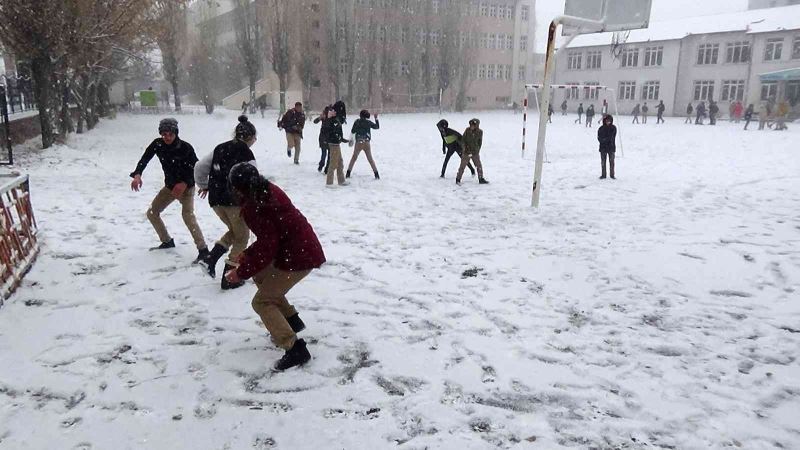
x,y
176,93
41,71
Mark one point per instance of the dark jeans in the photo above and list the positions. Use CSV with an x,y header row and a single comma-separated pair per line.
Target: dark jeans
x,y
450,151
746,123
324,159
610,157
659,119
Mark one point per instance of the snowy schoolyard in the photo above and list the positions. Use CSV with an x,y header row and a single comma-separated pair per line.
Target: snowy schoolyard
x,y
656,311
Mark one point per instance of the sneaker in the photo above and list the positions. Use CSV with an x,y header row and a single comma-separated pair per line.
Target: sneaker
x,y
202,254
169,244
602,177
296,323
209,263
295,356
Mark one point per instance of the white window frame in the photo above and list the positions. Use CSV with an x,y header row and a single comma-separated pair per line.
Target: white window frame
x,y
484,8
481,71
491,41
651,90
771,91
509,42
572,92
490,72
627,90
523,43
737,52
629,57
525,13
588,92
574,60
732,90
594,59
773,49
522,73
492,10
703,90
796,47
654,56
707,54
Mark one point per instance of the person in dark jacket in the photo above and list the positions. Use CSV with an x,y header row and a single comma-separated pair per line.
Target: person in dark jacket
x,y
332,126
324,159
293,122
550,112
635,113
177,159
451,143
660,112
701,113
362,132
748,115
564,108
713,110
580,113
645,110
211,176
607,136
286,250
589,115
689,111
473,141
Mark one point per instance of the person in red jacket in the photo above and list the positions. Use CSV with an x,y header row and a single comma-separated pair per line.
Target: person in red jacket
x,y
286,250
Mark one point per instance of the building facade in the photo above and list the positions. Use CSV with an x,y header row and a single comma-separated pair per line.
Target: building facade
x,y
759,4
725,58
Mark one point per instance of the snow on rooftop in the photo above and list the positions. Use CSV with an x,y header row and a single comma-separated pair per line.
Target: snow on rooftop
x,y
753,21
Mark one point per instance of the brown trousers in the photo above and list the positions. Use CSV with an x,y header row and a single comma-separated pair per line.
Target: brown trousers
x,y
293,141
271,305
237,235
367,149
163,199
476,159
335,155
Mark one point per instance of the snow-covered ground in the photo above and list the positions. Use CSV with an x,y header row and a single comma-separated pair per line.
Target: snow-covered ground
x,y
660,310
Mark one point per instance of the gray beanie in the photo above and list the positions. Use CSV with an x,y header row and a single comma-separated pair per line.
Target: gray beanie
x,y
168,124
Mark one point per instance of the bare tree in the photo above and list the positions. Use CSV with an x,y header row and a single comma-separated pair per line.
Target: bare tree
x,y
170,33
203,66
280,26
248,40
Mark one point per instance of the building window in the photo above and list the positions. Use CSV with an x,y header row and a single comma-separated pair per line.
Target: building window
x,y
315,83
490,41
342,66
492,10
572,92
435,71
523,42
490,72
737,52
435,6
509,42
484,9
594,59
793,92
629,57
471,72
650,90
403,35
503,100
315,7
703,90
434,38
590,92
508,72
422,36
773,50
473,8
509,12
481,71
525,13
653,56
521,73
627,90
574,61
732,90
472,99
796,48
769,90
707,54
404,68
483,40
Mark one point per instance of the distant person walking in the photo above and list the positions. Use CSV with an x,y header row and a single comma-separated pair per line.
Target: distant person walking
x,y
763,115
550,112
177,159
334,137
473,141
590,115
580,113
660,112
362,131
211,175
748,115
564,108
293,122
738,110
689,112
701,113
782,114
645,110
606,136
713,110
603,111
635,113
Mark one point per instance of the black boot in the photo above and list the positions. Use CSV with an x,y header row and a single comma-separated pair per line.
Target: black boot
x,y
296,323
169,244
482,180
225,284
347,175
210,262
201,255
377,177
295,356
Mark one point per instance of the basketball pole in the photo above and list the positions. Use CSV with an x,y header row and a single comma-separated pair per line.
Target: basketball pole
x,y
549,63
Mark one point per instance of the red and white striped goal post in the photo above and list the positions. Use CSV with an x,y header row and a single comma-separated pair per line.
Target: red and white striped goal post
x,y
19,244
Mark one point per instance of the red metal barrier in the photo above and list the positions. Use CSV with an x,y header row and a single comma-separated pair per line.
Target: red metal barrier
x,y
18,241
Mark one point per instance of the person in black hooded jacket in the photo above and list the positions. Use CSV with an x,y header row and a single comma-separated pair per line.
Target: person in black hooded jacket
x,y
607,136
324,159
211,175
451,143
177,159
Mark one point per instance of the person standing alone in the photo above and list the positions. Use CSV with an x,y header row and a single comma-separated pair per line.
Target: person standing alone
x,y
660,112
607,135
177,159
362,130
293,122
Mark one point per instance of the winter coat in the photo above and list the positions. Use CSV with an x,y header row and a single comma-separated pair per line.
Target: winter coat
x,y
550,109
660,108
332,130
590,111
580,110
473,140
713,109
636,110
748,114
689,109
701,110
737,110
284,238
177,161
293,122
451,139
645,109
564,105
212,171
362,129
607,136
763,113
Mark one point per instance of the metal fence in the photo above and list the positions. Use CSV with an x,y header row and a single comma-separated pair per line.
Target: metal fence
x,y
18,93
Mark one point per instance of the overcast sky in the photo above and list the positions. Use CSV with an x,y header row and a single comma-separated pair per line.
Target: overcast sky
x,y
662,10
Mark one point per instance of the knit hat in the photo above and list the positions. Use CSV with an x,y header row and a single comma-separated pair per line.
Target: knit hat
x,y
474,122
168,124
245,130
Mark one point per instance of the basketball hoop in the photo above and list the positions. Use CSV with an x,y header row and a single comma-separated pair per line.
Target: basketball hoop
x,y
618,40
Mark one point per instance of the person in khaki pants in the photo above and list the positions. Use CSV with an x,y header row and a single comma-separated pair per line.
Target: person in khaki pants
x,y
286,250
332,129
362,130
177,159
211,175
473,140
293,122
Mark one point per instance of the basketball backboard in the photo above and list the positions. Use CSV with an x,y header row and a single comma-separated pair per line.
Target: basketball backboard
x,y
614,15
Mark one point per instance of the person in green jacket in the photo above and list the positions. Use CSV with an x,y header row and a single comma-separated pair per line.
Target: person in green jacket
x,y
473,140
362,130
